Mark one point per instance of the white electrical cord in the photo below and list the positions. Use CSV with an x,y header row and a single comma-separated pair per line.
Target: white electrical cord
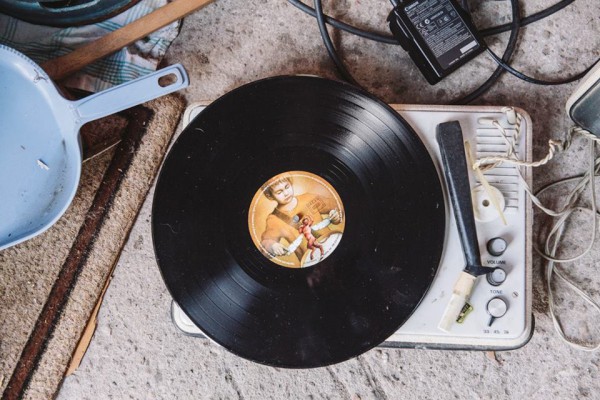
x,y
554,237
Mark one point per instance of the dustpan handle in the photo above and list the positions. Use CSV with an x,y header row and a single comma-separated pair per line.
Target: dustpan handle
x,y
131,93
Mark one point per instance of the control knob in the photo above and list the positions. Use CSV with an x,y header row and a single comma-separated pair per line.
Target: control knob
x,y
496,307
496,277
496,246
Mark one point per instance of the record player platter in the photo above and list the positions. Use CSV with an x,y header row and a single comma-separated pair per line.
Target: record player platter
x,y
298,221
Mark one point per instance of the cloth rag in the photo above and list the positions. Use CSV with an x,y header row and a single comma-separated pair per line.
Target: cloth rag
x,y
42,43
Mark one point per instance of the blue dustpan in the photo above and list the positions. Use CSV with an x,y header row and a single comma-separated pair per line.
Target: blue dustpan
x,y
40,150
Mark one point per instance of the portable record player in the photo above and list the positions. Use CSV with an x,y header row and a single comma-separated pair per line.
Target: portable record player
x,y
299,222
501,315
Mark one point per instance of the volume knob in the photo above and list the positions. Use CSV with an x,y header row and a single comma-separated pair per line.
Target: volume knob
x,y
496,246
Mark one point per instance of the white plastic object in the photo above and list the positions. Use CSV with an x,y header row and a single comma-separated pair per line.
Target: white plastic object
x,y
483,205
497,307
486,121
460,294
511,116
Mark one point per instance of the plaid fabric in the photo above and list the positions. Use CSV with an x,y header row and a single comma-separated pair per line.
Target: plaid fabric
x,y
42,43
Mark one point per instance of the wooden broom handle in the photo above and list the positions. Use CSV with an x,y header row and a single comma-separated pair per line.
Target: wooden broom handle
x,y
61,67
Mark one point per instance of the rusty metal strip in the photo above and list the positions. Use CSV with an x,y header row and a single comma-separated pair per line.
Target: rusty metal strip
x,y
76,260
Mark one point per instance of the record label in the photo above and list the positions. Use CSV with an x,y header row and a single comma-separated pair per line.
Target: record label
x,y
296,219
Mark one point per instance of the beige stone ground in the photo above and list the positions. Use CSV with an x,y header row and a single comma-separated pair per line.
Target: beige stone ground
x,y
138,353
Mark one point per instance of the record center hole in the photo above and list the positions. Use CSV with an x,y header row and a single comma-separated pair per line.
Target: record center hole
x,y
167,80
486,203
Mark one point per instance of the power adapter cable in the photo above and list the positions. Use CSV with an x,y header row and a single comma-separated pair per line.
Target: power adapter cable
x,y
374,36
537,81
329,45
514,26
528,20
389,39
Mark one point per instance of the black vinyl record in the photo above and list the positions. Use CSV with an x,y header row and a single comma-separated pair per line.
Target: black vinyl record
x,y
313,135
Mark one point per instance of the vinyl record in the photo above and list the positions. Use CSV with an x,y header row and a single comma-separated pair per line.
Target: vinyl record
x,y
298,221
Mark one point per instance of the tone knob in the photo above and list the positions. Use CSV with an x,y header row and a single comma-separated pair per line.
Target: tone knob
x,y
497,277
496,246
496,307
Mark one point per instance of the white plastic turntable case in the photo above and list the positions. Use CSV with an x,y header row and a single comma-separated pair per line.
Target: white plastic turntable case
x,y
515,327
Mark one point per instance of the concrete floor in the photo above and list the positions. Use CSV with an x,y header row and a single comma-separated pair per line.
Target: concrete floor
x,y
138,353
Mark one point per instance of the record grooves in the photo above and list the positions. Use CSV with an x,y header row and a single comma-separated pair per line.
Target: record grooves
x,y
351,153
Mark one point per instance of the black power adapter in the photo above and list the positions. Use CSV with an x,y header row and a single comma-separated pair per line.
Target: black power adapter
x,y
438,35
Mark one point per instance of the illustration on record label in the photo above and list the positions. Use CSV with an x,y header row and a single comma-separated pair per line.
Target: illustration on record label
x,y
296,219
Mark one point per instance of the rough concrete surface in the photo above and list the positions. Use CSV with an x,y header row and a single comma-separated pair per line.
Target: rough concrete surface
x,y
138,353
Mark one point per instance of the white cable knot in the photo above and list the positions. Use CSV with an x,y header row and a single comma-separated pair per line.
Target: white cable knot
x,y
512,117
569,137
585,133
